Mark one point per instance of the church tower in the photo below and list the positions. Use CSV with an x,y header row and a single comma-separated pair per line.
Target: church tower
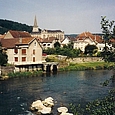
x,y
35,27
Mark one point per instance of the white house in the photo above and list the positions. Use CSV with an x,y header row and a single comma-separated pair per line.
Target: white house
x,y
85,38
49,42
22,50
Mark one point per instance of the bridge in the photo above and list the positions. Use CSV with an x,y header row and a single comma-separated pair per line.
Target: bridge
x,y
50,66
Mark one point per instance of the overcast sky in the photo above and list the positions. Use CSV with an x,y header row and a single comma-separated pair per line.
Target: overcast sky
x,y
70,16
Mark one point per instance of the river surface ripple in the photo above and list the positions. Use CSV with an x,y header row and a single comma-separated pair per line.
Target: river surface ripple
x,y
77,87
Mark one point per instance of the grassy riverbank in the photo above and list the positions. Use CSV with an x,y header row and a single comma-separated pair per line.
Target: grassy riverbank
x,y
25,74
71,67
88,66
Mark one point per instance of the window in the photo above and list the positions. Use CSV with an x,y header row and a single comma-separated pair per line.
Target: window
x,y
23,59
33,59
23,51
33,52
35,44
44,44
16,59
15,51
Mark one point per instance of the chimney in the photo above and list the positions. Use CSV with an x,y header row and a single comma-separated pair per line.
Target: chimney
x,y
20,40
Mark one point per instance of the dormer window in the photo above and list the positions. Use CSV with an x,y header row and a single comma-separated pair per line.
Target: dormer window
x,y
15,51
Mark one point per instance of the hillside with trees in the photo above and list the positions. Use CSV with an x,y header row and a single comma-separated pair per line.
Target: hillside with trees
x,y
6,25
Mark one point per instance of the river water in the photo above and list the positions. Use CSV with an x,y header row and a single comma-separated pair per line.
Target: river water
x,y
77,87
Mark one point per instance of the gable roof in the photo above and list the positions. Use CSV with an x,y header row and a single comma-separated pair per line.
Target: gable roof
x,y
84,35
49,40
11,43
17,34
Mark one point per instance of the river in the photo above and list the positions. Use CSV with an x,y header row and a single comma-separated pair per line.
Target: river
x,y
17,94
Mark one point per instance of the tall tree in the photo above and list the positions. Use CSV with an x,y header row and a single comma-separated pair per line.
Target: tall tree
x,y
108,30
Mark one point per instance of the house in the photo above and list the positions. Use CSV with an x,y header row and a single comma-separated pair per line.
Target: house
x,y
67,40
85,38
23,50
16,34
49,42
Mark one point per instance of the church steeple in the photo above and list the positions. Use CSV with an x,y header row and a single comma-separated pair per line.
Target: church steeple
x,y
35,27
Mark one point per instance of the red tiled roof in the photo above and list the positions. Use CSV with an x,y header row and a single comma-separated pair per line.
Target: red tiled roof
x,y
17,34
49,40
24,40
85,35
11,43
2,36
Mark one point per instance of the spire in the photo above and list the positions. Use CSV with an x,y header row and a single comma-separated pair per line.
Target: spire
x,y
35,27
35,22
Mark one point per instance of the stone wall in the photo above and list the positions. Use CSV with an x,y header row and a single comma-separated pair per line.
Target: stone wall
x,y
4,70
85,59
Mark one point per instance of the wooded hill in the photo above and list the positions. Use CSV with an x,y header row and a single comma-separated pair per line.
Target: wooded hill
x,y
6,25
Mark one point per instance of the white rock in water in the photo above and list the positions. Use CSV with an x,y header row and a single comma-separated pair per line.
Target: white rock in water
x,y
37,105
48,102
62,109
50,98
46,110
66,114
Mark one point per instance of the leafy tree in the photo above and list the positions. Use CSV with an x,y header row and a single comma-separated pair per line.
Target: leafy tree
x,y
67,50
57,44
108,30
3,56
90,49
6,25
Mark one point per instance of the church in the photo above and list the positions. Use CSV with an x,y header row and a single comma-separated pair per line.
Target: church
x,y
38,33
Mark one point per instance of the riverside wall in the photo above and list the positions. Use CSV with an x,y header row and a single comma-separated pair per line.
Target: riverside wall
x,y
85,59
4,70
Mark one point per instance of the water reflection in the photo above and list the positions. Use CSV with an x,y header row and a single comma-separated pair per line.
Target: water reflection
x,y
17,94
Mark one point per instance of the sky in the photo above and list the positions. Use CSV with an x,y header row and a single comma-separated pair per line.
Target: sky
x,y
70,16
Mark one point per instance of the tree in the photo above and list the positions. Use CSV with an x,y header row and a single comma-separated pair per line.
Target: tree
x,y
57,44
3,56
108,30
89,49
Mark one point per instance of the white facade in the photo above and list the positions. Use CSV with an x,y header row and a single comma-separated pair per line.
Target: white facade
x,y
24,54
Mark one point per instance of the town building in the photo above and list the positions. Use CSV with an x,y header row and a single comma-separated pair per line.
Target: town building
x,y
38,33
86,38
22,49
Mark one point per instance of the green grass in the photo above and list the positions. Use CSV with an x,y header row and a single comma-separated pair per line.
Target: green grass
x,y
89,66
25,74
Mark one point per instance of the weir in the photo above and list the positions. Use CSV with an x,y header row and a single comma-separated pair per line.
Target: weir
x,y
46,66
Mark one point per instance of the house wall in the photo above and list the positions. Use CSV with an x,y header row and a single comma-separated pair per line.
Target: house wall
x,y
59,35
29,54
10,53
38,52
8,35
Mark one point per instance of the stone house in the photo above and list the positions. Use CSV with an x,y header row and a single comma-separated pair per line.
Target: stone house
x,y
67,40
21,48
